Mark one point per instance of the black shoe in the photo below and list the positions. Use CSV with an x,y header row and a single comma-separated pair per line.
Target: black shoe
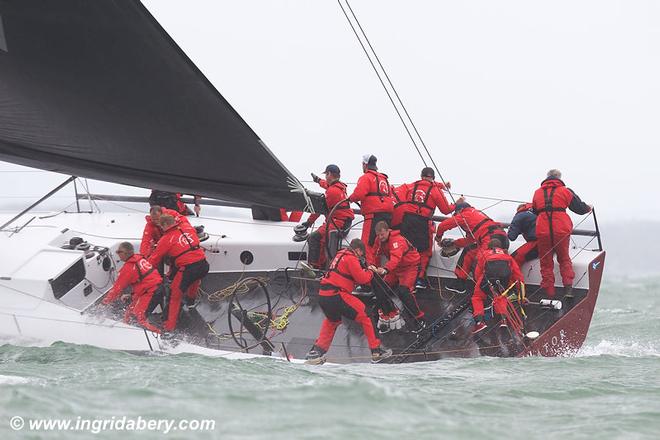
x,y
421,326
455,285
421,284
363,289
315,356
568,293
379,353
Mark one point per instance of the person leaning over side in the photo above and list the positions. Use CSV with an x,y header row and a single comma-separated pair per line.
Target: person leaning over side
x,y
145,282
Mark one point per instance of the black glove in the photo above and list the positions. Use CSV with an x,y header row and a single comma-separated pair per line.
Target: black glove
x,y
316,178
447,242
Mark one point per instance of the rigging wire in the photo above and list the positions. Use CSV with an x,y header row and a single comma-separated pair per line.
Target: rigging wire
x,y
366,52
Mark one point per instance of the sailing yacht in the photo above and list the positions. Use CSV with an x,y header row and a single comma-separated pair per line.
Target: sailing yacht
x,y
99,90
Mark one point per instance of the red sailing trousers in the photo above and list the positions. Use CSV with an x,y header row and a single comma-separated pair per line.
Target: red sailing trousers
x,y
138,309
187,279
546,253
370,249
405,277
425,256
338,305
478,298
526,252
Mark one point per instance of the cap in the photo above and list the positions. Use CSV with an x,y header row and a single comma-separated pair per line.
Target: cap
x,y
461,206
369,159
428,172
334,169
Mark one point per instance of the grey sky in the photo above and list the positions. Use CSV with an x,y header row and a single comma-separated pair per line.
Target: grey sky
x,y
501,91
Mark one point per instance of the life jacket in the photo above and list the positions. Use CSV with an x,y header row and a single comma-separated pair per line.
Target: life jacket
x,y
417,198
550,203
337,190
497,271
184,246
377,193
338,277
409,255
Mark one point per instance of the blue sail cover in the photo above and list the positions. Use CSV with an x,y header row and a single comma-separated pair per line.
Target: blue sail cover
x,y
98,89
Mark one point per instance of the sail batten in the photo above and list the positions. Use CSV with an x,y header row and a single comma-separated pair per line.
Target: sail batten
x,y
99,90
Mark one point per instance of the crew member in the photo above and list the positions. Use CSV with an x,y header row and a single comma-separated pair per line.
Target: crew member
x,y
479,230
336,301
145,282
553,230
399,274
495,273
374,194
189,261
415,204
342,216
174,202
152,230
524,222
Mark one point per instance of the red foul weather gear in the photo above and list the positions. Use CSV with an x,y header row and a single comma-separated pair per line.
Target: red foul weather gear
x,y
527,252
144,279
494,267
476,225
342,217
479,230
343,274
413,211
152,231
553,229
374,194
524,223
190,263
402,269
336,301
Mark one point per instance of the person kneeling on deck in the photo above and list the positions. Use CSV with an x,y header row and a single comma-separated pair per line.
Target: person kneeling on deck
x,y
189,261
399,276
342,217
496,273
336,300
524,223
145,281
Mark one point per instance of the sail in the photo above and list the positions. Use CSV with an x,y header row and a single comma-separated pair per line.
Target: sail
x,y
98,89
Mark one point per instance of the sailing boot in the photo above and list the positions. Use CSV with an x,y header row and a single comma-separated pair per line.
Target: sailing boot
x,y
315,356
568,293
479,326
383,322
379,353
421,284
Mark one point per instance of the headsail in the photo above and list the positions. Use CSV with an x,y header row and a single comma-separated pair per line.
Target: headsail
x,y
98,89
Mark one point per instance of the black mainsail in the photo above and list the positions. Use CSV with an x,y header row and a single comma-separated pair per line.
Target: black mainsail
x,y
98,89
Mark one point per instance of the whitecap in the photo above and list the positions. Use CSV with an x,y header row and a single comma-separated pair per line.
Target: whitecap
x,y
14,380
619,348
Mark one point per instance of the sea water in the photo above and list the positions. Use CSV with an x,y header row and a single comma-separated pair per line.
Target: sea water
x,y
610,389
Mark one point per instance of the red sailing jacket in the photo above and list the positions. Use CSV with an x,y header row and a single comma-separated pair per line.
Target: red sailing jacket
x,y
138,273
399,251
152,232
344,273
475,223
180,245
497,255
335,193
421,198
374,193
550,203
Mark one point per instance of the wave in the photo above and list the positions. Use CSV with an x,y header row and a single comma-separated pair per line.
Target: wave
x,y
619,348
